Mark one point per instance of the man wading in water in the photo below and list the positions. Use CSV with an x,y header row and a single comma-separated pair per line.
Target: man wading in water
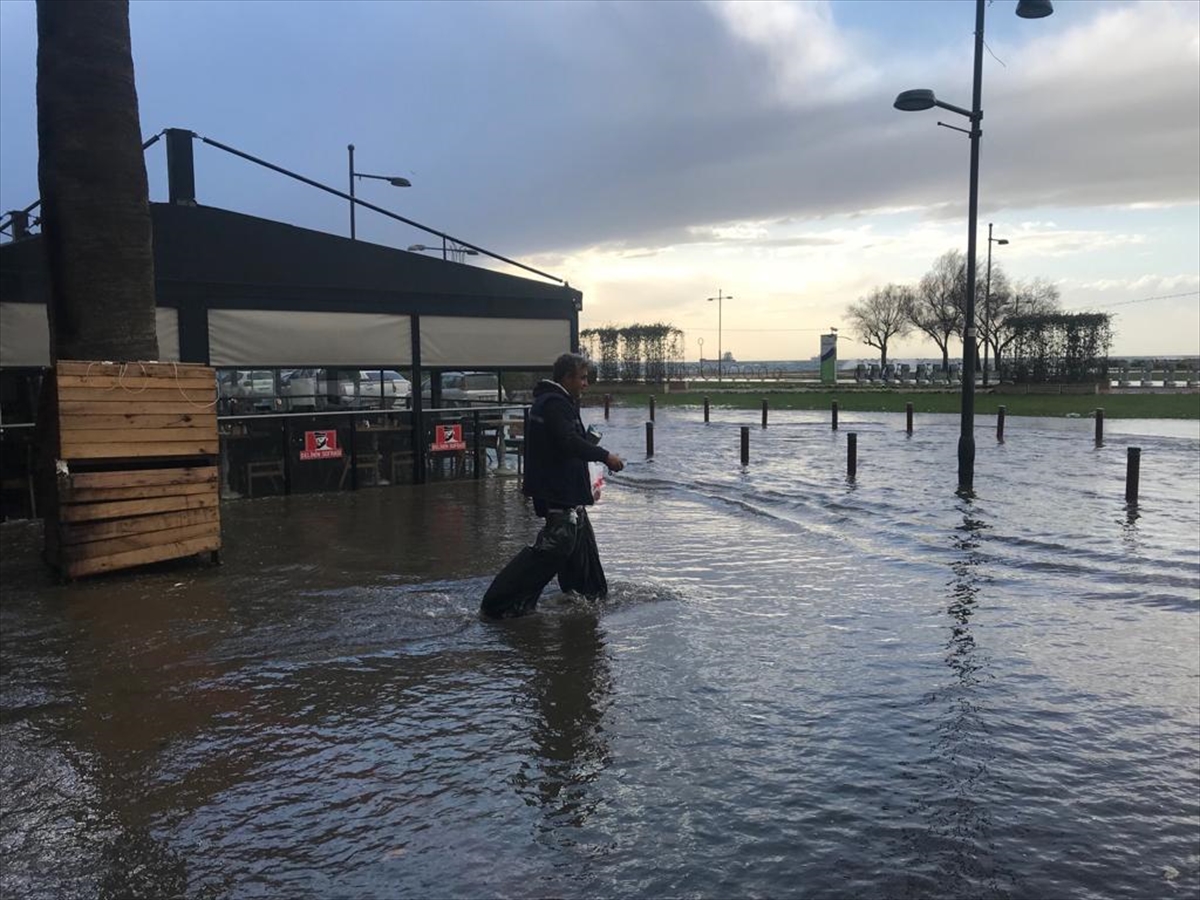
x,y
557,453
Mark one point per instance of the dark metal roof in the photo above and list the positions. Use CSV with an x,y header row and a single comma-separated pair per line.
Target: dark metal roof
x,y
235,260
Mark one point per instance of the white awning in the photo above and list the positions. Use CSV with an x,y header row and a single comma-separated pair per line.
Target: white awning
x,y
25,334
478,342
256,337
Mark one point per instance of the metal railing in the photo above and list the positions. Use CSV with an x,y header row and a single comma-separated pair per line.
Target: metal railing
x,y
265,454
311,452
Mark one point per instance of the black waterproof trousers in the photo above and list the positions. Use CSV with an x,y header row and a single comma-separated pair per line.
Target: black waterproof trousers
x,y
566,547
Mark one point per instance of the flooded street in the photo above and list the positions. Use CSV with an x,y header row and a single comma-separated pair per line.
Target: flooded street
x,y
799,685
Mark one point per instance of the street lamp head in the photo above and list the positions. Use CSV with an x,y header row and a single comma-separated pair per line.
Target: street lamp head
x,y
1034,9
421,248
1001,240
399,182
915,100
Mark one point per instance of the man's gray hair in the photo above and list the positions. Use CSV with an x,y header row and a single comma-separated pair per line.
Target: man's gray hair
x,y
568,364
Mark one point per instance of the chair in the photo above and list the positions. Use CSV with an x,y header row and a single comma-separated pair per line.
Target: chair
x,y
364,462
269,469
401,465
517,445
457,459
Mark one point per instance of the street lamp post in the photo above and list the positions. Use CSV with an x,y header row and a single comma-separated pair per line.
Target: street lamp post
x,y
393,180
720,355
912,101
987,303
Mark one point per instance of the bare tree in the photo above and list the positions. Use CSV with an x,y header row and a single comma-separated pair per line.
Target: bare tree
x,y
1034,297
992,306
92,176
937,304
883,314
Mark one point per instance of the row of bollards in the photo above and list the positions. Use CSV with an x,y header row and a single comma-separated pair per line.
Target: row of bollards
x,y
1132,465
908,416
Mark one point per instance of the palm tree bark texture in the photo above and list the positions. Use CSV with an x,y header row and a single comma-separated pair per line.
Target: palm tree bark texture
x,y
92,176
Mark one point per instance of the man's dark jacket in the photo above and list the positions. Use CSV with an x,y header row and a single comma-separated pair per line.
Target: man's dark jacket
x,y
557,450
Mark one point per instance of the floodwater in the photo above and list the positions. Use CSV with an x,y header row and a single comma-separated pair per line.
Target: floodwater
x,y
799,686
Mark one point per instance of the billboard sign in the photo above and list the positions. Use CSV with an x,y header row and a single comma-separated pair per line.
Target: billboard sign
x,y
829,358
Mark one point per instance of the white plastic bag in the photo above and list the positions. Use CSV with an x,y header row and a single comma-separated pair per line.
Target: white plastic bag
x,y
596,471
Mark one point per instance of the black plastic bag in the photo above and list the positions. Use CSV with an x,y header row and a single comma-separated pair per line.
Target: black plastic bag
x,y
566,547
582,572
515,591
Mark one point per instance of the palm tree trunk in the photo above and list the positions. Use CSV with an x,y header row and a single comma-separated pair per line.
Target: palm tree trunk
x,y
92,176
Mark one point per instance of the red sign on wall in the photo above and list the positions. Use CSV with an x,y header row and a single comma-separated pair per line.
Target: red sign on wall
x,y
448,437
320,445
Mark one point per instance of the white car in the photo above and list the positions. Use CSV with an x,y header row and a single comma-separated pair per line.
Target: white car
x,y
300,390
363,389
249,389
468,389
310,390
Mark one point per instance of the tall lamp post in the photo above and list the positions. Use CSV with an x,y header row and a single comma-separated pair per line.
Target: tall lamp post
x,y
720,356
987,303
393,180
921,99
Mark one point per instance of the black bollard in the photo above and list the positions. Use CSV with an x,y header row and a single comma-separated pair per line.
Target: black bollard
x,y
1099,426
607,401
705,410
1133,471
1000,424
834,410
851,455
651,407
764,425
745,445
649,439
908,416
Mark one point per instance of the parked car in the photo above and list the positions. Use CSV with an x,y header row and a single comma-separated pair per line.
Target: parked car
x,y
362,389
467,389
300,389
249,389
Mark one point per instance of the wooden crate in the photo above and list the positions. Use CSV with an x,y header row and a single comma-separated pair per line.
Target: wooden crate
x,y
137,477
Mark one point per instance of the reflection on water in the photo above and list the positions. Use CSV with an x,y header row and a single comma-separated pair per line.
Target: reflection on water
x,y
798,685
568,685
947,858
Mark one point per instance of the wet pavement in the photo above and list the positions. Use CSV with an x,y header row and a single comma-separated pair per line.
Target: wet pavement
x,y
799,686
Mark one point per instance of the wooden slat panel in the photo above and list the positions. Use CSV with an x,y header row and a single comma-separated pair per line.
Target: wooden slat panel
x,y
149,395
130,451
135,381
67,408
112,419
84,367
85,532
84,512
126,543
182,475
143,556
139,435
97,495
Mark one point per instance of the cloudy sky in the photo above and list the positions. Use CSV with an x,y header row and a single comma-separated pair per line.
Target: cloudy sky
x,y
655,153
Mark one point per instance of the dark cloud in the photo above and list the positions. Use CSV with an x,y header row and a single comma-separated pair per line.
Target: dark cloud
x,y
542,127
